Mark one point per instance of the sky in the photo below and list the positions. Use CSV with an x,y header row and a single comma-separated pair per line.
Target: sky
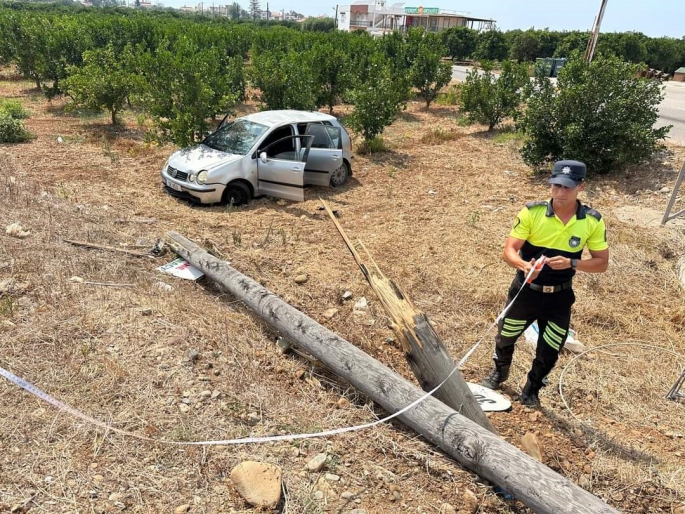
x,y
652,17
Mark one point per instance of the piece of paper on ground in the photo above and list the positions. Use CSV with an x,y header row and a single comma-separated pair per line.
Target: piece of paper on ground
x,y
182,269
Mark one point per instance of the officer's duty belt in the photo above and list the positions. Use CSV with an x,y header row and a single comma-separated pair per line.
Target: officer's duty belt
x,y
551,289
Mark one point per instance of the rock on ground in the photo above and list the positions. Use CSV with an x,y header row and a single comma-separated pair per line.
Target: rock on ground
x,y
258,483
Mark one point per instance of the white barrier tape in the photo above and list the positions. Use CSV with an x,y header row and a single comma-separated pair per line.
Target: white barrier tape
x,y
28,386
537,266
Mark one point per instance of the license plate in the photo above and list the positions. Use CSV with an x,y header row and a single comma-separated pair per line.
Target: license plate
x,y
174,185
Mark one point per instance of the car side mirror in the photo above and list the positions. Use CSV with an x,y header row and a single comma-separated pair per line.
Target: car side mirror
x,y
262,157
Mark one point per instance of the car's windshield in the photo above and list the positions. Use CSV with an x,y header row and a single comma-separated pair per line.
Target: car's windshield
x,y
235,137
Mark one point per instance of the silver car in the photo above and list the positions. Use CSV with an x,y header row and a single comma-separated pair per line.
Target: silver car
x,y
275,153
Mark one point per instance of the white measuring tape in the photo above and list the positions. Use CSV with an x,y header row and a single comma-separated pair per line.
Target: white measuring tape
x,y
28,386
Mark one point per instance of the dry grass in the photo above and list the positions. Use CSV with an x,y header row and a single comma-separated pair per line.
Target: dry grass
x,y
433,216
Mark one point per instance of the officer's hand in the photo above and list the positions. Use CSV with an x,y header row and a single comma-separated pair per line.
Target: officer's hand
x,y
559,262
529,266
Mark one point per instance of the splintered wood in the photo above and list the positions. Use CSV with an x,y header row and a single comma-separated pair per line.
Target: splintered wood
x,y
427,356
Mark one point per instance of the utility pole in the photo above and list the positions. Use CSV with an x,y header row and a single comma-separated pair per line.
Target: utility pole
x,y
267,11
592,43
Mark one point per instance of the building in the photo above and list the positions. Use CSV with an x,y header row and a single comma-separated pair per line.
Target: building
x,y
679,74
379,18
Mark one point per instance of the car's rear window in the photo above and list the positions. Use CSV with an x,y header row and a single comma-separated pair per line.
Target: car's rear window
x,y
236,137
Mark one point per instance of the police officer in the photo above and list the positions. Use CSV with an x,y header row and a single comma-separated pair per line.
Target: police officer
x,y
558,229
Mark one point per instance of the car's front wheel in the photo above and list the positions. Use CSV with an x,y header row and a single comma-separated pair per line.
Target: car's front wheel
x,y
341,175
236,194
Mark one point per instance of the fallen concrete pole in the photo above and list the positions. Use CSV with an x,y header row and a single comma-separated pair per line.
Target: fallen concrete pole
x,y
477,449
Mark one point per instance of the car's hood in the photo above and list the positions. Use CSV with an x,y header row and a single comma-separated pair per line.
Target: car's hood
x,y
200,157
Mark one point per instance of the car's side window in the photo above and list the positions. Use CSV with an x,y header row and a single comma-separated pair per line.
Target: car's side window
x,y
283,147
321,137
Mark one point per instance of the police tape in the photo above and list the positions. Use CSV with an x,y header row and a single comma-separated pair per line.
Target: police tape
x,y
29,387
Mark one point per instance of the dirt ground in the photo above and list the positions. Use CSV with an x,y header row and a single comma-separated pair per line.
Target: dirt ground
x,y
194,364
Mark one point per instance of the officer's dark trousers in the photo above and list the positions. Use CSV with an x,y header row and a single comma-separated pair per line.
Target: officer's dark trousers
x,y
553,314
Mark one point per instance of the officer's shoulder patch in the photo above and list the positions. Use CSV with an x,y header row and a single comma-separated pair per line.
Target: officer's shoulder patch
x,y
594,213
530,205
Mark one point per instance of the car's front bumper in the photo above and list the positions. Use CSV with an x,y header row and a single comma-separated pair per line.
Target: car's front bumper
x,y
208,194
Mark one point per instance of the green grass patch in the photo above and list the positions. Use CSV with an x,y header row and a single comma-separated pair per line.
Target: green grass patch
x,y
439,136
450,97
509,136
375,145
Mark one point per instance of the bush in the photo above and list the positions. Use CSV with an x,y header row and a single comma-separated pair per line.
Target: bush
x,y
14,109
12,130
602,114
488,99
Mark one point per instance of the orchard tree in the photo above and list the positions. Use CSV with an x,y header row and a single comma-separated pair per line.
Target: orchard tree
x,y
491,46
429,73
105,81
488,99
333,75
285,81
378,101
186,85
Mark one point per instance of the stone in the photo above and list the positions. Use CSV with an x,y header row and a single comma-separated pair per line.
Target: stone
x,y
115,497
665,189
284,345
318,495
347,495
446,508
16,230
531,445
330,313
317,463
193,355
184,408
258,483
679,510
469,501
362,304
680,270
144,311
332,478
301,279
162,286
253,418
182,509
77,280
358,511
347,295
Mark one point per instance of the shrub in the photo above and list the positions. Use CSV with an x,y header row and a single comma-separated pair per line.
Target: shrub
x,y
14,108
488,99
12,130
602,114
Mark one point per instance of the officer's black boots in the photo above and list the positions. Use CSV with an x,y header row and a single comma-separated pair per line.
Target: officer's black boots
x,y
496,377
529,395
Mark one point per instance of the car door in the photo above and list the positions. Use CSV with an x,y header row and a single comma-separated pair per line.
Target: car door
x,y
280,167
325,155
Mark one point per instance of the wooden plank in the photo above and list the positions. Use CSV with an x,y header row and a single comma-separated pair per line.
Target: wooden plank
x,y
477,449
426,354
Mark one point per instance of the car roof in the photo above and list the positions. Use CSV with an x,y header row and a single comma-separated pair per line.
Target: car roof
x,y
273,118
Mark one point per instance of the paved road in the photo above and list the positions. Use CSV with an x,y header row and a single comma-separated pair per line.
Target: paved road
x,y
671,110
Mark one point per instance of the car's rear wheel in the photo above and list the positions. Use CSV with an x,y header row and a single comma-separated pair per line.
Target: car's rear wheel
x,y
341,175
236,193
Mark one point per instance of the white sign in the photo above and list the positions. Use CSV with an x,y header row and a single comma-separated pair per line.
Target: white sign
x,y
182,269
489,400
